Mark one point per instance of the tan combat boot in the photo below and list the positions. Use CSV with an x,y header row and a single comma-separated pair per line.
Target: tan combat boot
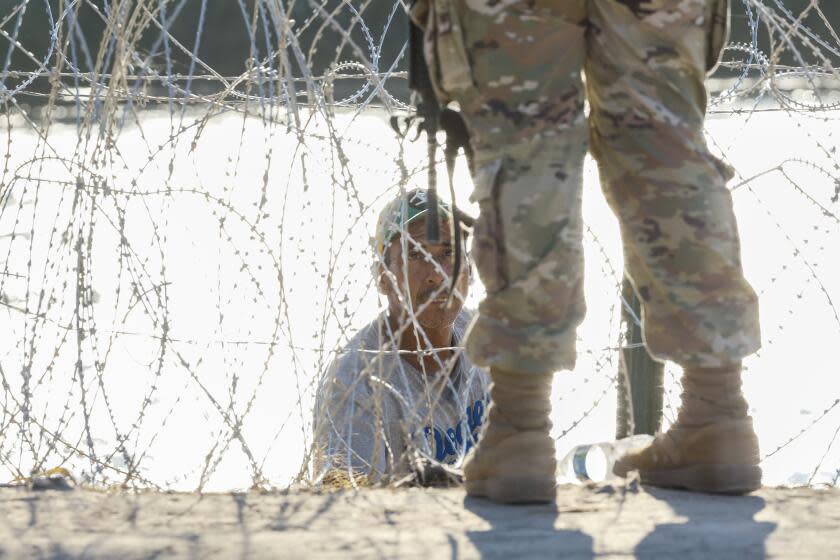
x,y
514,459
711,447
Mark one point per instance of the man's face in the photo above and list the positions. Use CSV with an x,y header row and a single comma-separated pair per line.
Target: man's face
x,y
427,271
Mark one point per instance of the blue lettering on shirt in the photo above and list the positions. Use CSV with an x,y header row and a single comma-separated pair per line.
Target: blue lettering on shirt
x,y
450,443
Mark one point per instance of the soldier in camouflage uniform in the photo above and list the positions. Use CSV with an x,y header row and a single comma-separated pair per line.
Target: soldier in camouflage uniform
x,y
515,68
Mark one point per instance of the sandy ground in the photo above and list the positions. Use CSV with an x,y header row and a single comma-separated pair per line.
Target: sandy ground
x,y
585,523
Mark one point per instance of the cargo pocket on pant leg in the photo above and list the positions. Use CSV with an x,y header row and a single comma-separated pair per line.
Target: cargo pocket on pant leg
x,y
444,48
488,232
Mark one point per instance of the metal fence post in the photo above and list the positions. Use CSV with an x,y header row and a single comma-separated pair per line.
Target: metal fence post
x,y
640,374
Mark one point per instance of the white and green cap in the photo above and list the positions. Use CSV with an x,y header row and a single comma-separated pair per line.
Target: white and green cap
x,y
405,209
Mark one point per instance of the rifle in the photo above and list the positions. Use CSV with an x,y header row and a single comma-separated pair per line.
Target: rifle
x,y
428,111
430,117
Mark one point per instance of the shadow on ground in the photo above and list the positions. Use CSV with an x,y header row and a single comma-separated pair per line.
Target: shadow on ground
x,y
700,534
524,532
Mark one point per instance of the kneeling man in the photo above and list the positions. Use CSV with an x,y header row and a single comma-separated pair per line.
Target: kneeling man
x,y
403,389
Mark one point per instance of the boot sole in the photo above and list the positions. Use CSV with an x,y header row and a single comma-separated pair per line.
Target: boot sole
x,y
515,489
711,479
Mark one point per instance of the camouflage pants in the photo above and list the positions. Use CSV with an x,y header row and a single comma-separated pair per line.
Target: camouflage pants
x,y
515,68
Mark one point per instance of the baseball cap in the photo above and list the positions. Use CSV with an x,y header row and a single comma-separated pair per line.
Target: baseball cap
x,y
405,209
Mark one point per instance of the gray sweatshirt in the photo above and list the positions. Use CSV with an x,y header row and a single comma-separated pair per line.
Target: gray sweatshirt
x,y
374,409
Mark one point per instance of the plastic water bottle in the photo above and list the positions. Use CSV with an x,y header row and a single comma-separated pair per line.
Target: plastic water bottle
x,y
594,462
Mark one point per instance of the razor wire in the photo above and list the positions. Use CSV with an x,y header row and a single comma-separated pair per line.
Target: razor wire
x,y
187,204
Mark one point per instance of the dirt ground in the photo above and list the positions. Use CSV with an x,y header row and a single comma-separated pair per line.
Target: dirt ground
x,y
604,522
